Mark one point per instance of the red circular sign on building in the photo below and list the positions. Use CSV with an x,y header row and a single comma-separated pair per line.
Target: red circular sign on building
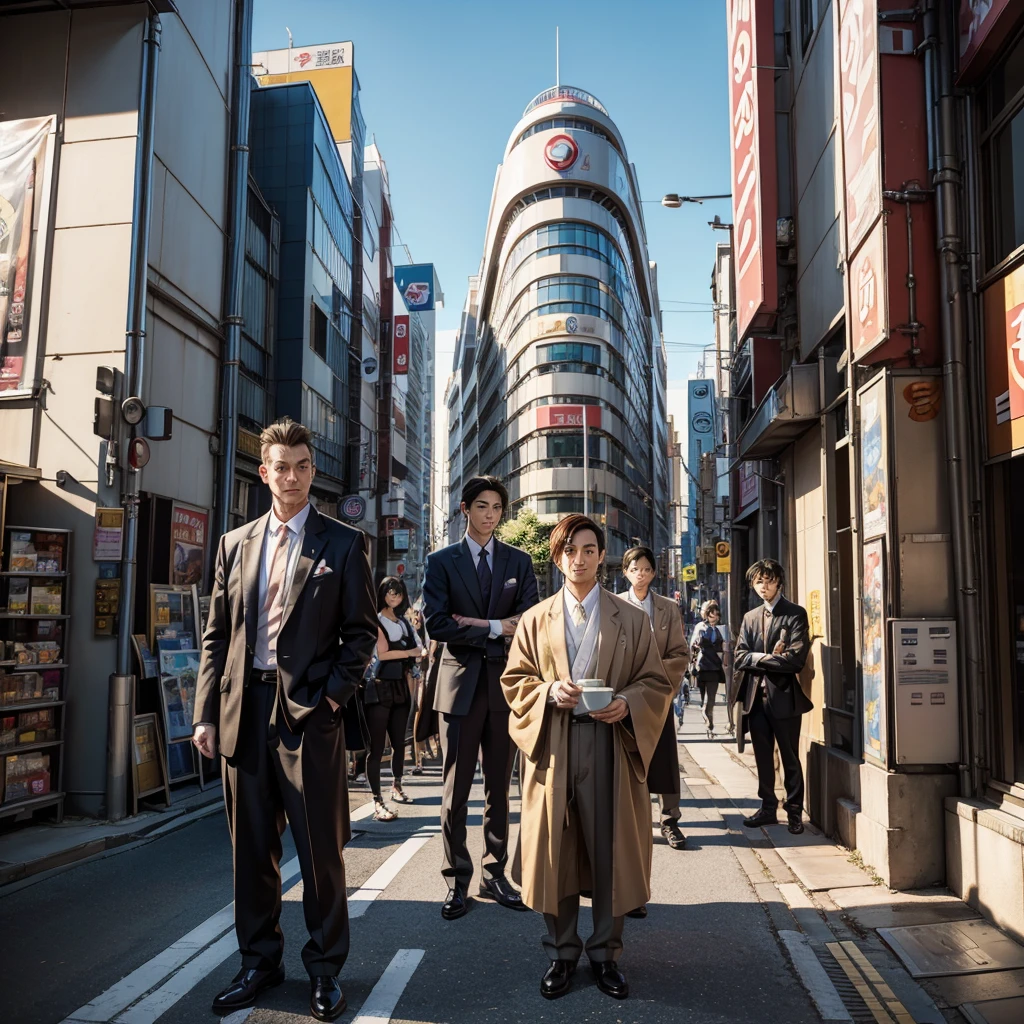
x,y
560,152
400,568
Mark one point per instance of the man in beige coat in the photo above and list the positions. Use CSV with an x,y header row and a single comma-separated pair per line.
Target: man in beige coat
x,y
586,820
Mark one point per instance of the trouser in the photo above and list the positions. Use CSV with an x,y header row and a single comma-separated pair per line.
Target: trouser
x,y
765,732
275,774
385,723
708,695
588,837
668,804
481,732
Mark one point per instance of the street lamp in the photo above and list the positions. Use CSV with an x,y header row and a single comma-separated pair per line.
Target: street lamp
x,y
674,201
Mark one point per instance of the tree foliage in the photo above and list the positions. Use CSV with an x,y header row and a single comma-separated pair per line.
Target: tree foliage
x,y
529,534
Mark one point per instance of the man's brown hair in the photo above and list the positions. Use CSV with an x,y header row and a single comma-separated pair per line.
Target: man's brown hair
x,y
567,528
287,432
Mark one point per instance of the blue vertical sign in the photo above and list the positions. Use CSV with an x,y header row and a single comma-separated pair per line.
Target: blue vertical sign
x,y
415,283
700,423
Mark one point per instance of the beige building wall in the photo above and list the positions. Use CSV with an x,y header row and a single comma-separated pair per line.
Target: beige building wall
x,y
89,258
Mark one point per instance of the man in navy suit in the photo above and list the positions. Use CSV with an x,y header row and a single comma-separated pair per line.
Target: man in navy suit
x,y
474,593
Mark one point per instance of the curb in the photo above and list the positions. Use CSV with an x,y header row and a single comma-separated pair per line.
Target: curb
x,y
164,823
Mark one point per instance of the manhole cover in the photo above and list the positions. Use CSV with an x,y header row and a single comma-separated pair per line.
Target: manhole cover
x,y
953,947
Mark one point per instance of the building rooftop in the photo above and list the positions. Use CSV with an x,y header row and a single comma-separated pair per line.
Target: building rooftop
x,y
566,92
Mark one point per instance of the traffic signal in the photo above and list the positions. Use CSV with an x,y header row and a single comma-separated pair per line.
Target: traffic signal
x,y
109,383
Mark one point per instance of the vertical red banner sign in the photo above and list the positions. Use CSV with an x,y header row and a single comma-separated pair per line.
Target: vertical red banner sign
x,y
401,344
858,92
754,176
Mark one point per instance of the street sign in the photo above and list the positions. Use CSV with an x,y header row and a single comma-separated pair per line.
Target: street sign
x,y
353,507
723,557
690,573
400,568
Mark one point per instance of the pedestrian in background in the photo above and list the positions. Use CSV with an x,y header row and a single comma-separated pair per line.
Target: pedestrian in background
x,y
386,698
417,677
771,651
663,774
290,632
706,644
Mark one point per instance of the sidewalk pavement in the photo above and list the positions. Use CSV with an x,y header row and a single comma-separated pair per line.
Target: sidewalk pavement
x,y
926,948
33,849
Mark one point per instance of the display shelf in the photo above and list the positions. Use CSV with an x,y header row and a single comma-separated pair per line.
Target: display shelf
x,y
33,803
28,748
42,667
37,575
18,615
32,705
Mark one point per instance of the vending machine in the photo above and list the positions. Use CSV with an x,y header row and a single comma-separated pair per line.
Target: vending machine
x,y
927,699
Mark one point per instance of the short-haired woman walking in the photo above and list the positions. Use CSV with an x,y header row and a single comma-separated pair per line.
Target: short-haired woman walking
x,y
706,649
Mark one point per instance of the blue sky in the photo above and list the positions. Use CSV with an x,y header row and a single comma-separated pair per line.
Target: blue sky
x,y
444,82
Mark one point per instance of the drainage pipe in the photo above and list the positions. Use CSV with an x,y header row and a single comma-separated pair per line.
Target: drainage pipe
x,y
236,264
122,682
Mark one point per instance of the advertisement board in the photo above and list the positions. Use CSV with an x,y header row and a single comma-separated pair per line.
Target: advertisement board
x,y
415,283
1004,364
567,416
754,177
22,202
188,543
400,345
874,461
875,723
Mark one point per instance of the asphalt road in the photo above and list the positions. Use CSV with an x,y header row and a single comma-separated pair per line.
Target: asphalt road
x,y
706,952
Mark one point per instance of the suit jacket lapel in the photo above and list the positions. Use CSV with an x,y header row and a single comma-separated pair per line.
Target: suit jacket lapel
x,y
556,637
611,627
314,540
501,554
775,625
252,549
467,570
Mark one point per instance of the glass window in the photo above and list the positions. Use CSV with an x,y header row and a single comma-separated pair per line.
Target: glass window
x,y
318,330
569,351
1006,155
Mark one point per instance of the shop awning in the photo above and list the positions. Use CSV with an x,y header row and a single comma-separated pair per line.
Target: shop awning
x,y
783,415
12,469
41,6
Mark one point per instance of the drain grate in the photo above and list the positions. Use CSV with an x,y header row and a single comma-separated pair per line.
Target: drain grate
x,y
848,993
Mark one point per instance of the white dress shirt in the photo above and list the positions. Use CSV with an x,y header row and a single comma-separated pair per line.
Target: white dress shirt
x,y
756,656
474,550
263,658
647,603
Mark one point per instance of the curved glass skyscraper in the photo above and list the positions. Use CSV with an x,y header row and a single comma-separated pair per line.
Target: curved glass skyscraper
x,y
563,317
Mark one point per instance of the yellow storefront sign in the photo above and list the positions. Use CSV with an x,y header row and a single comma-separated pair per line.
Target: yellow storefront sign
x,y
723,557
690,573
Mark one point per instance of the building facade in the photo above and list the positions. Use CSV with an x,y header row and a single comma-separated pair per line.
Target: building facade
x,y
875,408
561,335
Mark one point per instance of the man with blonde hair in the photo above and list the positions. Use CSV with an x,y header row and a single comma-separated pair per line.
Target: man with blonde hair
x,y
292,626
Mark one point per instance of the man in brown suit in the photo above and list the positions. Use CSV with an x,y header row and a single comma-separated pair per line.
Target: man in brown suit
x,y
292,627
586,812
638,566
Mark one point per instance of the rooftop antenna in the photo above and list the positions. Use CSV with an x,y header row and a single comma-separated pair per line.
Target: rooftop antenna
x,y
558,80
289,31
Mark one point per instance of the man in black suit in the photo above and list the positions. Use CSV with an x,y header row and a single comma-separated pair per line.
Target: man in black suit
x,y
292,627
771,651
474,593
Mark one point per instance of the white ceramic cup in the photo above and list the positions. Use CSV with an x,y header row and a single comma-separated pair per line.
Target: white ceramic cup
x,y
587,684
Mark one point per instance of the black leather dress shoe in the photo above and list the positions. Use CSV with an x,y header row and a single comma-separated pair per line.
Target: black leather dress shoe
x,y
639,912
456,905
557,979
246,985
761,818
673,836
796,824
326,1000
499,890
610,980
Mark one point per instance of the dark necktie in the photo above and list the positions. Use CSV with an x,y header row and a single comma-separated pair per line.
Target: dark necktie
x,y
766,625
483,572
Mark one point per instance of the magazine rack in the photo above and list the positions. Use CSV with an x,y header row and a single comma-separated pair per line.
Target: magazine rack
x,y
34,620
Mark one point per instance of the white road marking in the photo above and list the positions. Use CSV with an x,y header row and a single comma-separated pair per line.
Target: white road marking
x,y
186,962
381,1002
359,901
818,984
238,1017
106,1006
157,1003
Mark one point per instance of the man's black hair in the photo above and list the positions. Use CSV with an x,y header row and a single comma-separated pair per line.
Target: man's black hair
x,y
640,551
770,569
475,486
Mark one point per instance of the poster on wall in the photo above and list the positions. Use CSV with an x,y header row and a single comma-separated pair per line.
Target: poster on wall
x,y
188,544
873,475
22,148
873,651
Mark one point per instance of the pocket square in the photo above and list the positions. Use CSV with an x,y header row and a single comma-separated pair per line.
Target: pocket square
x,y
322,569
510,583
